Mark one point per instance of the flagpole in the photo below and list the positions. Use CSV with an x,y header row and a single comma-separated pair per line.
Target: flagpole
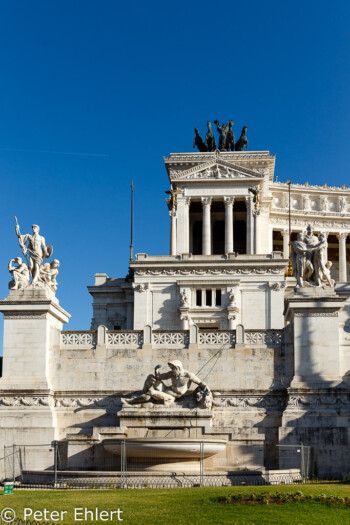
x,y
132,219
290,267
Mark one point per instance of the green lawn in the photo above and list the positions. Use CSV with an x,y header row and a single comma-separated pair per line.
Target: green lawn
x,y
185,506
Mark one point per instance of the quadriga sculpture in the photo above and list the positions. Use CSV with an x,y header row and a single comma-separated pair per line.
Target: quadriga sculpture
x,y
242,142
199,142
209,138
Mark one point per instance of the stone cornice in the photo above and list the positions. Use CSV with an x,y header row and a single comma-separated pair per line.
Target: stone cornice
x,y
209,265
301,222
32,309
215,170
205,282
257,161
310,215
307,188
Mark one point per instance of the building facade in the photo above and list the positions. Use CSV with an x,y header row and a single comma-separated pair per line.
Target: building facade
x,y
215,228
277,359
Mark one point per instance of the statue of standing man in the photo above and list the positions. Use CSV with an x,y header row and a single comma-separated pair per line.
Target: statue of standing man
x,y
222,130
36,249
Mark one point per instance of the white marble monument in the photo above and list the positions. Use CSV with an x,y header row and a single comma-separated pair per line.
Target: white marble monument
x,y
274,350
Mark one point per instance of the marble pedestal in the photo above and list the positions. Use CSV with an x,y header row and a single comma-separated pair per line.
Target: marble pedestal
x,y
317,412
33,321
173,421
313,314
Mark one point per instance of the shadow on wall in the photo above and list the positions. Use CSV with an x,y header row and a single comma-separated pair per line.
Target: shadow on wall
x,y
165,313
274,401
321,424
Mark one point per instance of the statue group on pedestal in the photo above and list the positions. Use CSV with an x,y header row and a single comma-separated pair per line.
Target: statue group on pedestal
x,y
155,389
226,138
309,260
35,270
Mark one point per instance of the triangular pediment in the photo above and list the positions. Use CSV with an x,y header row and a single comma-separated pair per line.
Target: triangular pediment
x,y
214,170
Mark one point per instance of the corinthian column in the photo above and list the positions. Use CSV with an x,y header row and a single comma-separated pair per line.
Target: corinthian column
x,y
206,241
172,214
285,234
187,225
256,229
228,224
248,201
342,257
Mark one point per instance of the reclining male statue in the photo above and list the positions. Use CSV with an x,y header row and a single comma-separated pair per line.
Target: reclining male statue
x,y
181,380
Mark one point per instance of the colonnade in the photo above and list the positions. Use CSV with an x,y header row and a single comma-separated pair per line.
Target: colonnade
x,y
180,225
180,234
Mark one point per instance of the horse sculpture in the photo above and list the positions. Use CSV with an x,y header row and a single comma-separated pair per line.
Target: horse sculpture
x,y
209,138
199,142
230,138
242,141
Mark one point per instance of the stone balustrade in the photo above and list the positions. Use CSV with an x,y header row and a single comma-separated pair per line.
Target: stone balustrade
x,y
83,339
217,337
170,338
176,339
128,338
263,337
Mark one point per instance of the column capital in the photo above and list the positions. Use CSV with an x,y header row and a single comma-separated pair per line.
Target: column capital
x,y
248,198
172,213
341,236
229,201
187,201
285,232
206,201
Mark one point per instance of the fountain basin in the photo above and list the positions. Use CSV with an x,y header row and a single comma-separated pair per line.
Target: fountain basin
x,y
162,454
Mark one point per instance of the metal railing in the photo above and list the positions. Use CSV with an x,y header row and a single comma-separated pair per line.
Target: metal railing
x,y
242,464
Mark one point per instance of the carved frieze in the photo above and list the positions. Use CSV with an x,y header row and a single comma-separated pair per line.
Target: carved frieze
x,y
249,401
111,404
216,169
319,400
32,315
212,271
316,314
303,223
24,401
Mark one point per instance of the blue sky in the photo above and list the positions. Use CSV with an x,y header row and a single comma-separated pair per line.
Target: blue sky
x,y
93,94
